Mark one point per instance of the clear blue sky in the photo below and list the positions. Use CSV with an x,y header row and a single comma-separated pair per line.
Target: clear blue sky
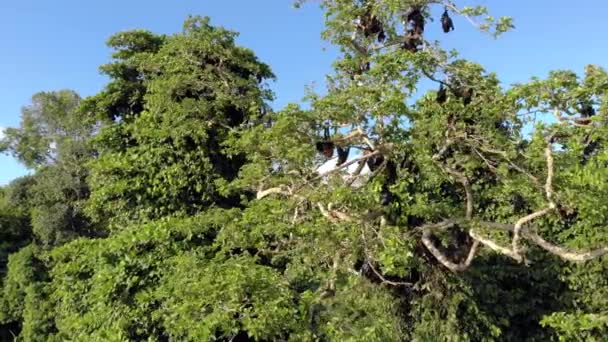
x,y
50,45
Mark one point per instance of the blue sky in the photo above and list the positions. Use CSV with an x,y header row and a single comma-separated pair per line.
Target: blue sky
x,y
50,45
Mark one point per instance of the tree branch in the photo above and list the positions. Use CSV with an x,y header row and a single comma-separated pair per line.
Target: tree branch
x,y
495,247
278,190
565,253
443,259
548,194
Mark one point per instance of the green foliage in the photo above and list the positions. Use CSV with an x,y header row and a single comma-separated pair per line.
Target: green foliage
x,y
47,126
15,229
174,205
578,326
24,269
38,314
168,156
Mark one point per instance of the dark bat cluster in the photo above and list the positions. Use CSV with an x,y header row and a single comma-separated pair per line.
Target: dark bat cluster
x,y
415,29
327,146
370,25
415,22
591,145
390,173
459,91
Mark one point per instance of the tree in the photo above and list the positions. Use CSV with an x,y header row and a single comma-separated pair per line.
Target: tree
x,y
221,228
166,154
461,179
15,228
53,139
49,127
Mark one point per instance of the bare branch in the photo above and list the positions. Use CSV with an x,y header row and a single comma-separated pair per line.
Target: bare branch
x,y
384,280
550,173
278,190
575,121
548,193
333,215
519,224
443,259
356,174
495,247
443,150
565,253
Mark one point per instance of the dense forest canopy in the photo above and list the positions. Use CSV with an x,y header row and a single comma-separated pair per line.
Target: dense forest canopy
x,y
175,205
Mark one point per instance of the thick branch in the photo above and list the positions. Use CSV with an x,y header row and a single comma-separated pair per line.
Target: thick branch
x,y
519,224
550,171
548,195
565,253
495,247
443,259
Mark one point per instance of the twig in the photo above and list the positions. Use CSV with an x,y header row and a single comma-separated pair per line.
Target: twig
x,y
371,266
453,7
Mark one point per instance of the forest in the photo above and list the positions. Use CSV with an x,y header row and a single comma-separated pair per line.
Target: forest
x,y
177,205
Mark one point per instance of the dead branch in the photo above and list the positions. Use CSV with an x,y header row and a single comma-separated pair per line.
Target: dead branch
x,y
442,258
333,215
519,224
550,173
